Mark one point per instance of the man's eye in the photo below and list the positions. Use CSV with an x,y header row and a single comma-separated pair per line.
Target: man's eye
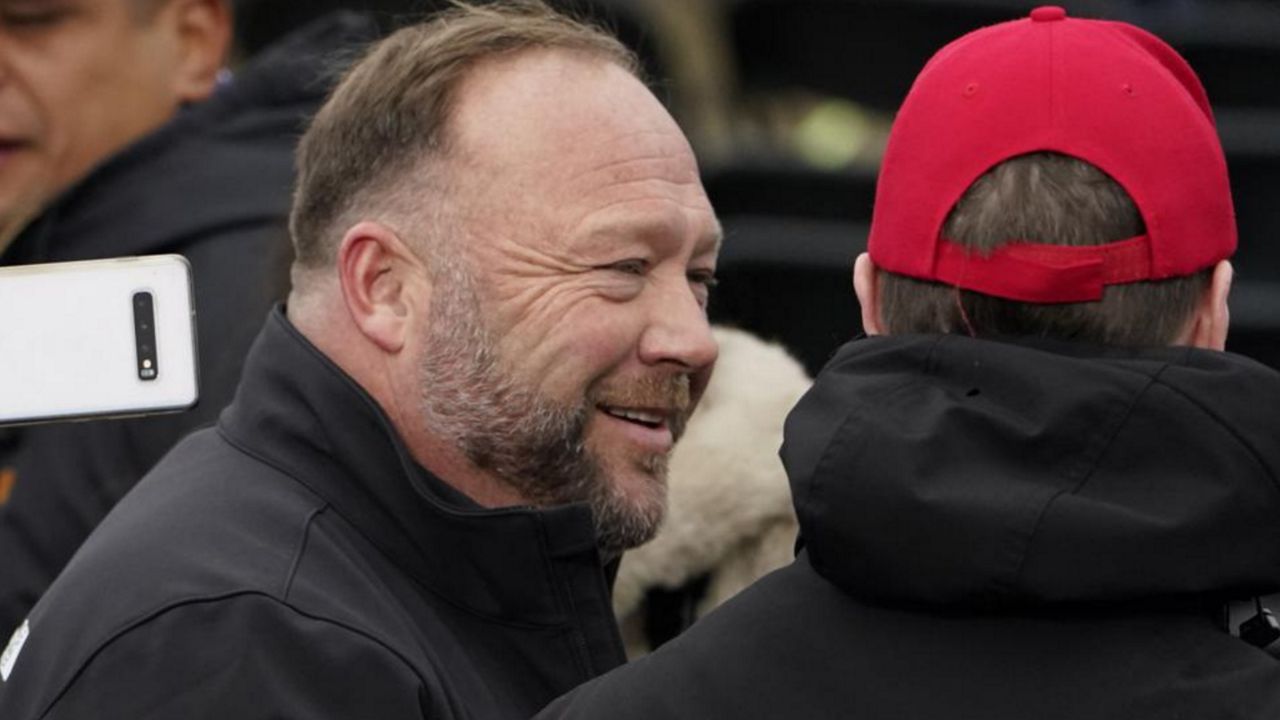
x,y
705,278
630,267
702,281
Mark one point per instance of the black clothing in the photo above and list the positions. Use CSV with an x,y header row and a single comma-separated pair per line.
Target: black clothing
x,y
999,529
213,185
295,562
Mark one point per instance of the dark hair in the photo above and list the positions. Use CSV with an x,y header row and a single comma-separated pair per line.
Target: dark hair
x,y
1057,200
388,116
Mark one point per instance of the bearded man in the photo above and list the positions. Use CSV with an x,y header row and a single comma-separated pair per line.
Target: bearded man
x,y
496,332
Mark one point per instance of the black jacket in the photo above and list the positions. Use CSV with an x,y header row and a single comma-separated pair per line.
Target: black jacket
x,y
295,562
1000,530
213,185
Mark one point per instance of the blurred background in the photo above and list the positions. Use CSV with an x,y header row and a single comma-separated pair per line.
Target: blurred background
x,y
789,102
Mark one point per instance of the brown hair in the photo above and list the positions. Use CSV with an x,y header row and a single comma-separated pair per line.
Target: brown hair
x,y
1057,200
386,123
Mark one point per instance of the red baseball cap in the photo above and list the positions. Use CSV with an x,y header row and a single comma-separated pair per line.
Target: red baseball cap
x,y
1104,92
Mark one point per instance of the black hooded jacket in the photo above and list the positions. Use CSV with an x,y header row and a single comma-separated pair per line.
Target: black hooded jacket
x,y
1000,529
295,562
214,185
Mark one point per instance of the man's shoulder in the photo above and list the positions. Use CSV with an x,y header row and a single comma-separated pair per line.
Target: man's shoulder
x,y
207,501
244,654
223,566
209,522
795,645
210,517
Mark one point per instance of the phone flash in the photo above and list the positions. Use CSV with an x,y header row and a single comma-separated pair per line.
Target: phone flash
x,y
144,334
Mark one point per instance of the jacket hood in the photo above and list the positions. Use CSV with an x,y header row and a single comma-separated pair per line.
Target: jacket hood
x,y
971,474
205,152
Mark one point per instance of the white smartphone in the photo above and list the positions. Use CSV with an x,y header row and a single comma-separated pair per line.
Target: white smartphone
x,y
96,338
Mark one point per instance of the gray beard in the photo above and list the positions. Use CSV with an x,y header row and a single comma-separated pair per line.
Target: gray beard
x,y
535,445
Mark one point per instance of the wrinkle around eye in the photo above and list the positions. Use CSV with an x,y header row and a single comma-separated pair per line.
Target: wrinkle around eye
x,y
701,293
630,266
620,281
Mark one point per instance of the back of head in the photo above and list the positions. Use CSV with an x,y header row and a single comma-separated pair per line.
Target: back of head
x,y
381,141
1055,200
1053,177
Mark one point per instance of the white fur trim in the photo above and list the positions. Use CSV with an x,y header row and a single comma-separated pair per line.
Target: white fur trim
x,y
729,503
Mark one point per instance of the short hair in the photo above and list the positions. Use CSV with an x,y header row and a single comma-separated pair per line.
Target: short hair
x,y
1053,199
387,119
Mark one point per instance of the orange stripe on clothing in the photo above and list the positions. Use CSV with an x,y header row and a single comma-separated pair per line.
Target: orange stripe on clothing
x,y
8,476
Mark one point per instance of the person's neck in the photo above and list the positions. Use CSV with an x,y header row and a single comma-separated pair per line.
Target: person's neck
x,y
322,325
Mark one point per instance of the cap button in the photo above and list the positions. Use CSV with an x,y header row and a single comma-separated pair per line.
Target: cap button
x,y
1048,13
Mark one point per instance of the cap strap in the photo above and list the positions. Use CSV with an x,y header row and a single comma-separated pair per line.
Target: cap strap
x,y
1039,273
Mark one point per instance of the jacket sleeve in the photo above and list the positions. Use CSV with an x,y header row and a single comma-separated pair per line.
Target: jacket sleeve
x,y
244,657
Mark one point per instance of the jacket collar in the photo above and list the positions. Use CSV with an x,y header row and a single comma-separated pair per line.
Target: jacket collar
x,y
297,411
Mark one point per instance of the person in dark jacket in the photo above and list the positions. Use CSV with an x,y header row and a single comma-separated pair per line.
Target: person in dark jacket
x,y
496,332
210,180
1037,489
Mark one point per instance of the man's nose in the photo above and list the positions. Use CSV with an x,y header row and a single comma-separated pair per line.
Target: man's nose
x,y
678,332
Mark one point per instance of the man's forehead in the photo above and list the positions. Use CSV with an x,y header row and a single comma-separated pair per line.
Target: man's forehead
x,y
541,104
702,226
573,144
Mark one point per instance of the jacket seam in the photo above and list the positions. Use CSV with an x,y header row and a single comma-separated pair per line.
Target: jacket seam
x,y
300,550
928,363
1230,430
175,605
579,643
1120,423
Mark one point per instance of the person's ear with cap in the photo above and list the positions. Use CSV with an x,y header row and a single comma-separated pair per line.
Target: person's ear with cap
x,y
865,287
1209,323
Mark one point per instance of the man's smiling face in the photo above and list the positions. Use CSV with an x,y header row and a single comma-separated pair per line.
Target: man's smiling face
x,y
588,248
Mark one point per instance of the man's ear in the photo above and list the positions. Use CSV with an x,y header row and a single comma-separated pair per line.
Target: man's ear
x,y
866,287
1212,318
201,30
382,284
